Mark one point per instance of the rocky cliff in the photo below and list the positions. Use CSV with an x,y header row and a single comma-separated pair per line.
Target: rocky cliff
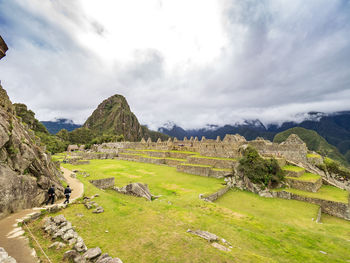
x,y
26,171
113,116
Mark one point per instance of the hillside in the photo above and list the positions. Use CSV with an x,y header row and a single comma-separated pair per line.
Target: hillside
x,y
314,142
55,126
53,143
113,116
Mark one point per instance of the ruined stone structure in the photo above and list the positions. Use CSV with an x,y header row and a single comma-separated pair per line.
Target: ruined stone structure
x,y
220,159
103,183
293,149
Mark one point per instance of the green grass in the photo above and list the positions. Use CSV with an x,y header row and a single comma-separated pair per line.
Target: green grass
x,y
216,158
176,159
163,151
313,155
135,154
308,177
259,229
219,169
326,192
293,168
198,165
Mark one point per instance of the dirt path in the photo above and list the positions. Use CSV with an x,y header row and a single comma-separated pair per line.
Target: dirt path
x,y
11,236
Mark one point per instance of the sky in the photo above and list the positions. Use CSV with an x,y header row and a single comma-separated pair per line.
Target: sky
x,y
192,63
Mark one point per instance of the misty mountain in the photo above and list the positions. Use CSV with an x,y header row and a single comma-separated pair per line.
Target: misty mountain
x,y
335,128
55,126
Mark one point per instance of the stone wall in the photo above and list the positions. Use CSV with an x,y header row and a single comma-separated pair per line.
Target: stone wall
x,y
293,148
103,183
197,170
216,195
305,185
333,208
216,163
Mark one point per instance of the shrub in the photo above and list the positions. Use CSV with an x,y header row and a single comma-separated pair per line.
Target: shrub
x,y
335,168
259,170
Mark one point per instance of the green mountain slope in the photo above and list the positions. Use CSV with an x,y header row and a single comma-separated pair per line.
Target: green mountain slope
x,y
314,142
113,116
53,143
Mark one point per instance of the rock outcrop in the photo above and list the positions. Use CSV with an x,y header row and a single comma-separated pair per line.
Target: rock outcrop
x,y
26,171
136,189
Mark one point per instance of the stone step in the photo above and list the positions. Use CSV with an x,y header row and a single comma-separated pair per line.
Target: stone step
x,y
222,163
203,170
293,171
307,182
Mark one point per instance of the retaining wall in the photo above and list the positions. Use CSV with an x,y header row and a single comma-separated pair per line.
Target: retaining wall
x,y
215,196
305,185
333,208
216,163
103,183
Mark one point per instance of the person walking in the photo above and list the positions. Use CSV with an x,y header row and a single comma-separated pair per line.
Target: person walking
x,y
51,193
67,192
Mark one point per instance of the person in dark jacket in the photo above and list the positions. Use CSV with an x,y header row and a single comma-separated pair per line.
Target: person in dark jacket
x,y
51,193
67,192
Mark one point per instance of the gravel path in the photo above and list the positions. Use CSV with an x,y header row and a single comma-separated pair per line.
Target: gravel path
x,y
11,237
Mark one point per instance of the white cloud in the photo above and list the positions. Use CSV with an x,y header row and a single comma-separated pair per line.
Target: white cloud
x,y
190,62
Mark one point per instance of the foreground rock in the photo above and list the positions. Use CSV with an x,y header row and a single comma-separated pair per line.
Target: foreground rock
x,y
213,239
59,227
26,170
5,258
204,234
136,189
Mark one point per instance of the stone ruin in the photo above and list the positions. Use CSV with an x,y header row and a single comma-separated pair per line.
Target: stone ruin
x,y
293,149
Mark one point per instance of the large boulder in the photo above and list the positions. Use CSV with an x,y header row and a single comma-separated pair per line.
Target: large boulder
x,y
136,189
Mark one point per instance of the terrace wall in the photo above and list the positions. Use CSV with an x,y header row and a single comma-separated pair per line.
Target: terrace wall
x,y
333,208
103,183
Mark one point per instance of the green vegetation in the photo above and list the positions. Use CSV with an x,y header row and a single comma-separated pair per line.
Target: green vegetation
x,y
53,143
308,177
293,168
259,229
313,141
326,192
197,165
259,170
313,155
216,158
334,167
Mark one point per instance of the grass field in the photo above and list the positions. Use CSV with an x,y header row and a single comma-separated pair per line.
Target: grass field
x,y
293,168
259,229
326,192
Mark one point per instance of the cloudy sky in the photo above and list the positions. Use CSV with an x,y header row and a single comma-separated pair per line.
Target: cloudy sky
x,y
192,62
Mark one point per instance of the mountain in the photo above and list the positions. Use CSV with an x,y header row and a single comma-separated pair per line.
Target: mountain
x,y
335,128
314,142
55,126
113,116
26,170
